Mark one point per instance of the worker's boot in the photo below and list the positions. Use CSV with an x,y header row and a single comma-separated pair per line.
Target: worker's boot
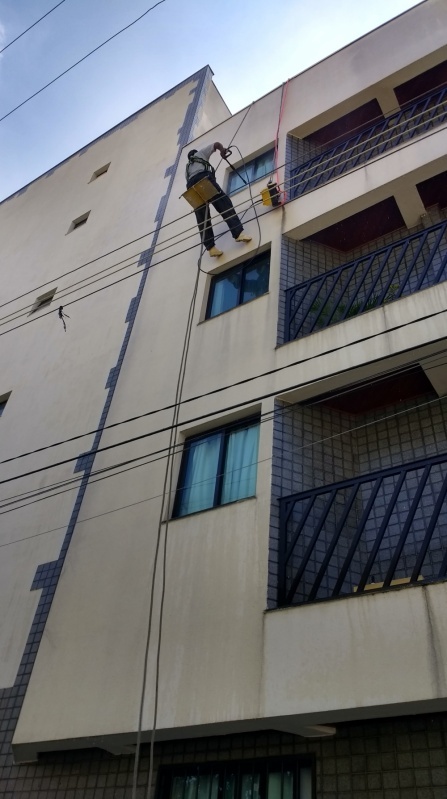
x,y
244,237
214,252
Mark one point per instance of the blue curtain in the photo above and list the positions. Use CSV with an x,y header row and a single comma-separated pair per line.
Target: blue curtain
x,y
205,786
241,464
200,478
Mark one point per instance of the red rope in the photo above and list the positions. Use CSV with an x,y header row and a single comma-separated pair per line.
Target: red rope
x,y
285,86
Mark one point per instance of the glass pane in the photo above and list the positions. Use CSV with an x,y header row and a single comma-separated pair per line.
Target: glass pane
x,y
208,786
199,483
306,783
240,464
250,786
225,292
256,280
229,786
275,791
177,787
263,165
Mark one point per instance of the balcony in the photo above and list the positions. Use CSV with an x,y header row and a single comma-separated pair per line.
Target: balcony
x,y
377,531
374,279
411,121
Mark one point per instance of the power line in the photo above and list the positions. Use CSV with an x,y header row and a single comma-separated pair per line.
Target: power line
x,y
31,26
289,180
31,493
219,412
218,390
269,416
61,74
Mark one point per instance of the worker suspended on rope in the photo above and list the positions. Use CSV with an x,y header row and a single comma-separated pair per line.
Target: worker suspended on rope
x,y
197,168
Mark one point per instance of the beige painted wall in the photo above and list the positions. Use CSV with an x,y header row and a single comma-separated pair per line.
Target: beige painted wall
x,y
219,653
58,379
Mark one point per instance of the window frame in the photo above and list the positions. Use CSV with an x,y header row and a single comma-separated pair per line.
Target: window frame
x,y
245,166
263,766
244,266
225,431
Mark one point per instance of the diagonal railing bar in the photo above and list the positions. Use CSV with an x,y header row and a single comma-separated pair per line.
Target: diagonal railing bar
x,y
382,276
311,546
384,135
404,499
381,532
406,528
335,538
356,540
427,538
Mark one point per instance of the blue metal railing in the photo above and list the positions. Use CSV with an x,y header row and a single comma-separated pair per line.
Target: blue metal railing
x,y
405,267
377,531
412,120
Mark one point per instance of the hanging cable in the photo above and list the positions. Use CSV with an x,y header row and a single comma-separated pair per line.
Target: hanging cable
x,y
226,409
50,83
31,26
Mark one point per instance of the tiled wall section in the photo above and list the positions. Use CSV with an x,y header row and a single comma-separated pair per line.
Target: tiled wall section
x,y
316,446
298,151
403,758
303,260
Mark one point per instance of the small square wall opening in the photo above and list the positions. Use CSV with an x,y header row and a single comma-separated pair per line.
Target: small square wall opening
x,y
101,171
3,400
43,301
78,222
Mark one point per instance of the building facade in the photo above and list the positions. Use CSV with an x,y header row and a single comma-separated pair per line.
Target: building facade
x,y
224,484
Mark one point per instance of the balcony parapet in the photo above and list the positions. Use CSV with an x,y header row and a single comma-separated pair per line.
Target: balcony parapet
x,y
411,121
402,268
370,533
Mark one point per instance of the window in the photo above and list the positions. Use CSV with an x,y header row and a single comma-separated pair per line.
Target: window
x,y
239,285
218,467
101,171
269,778
43,300
254,170
81,220
3,400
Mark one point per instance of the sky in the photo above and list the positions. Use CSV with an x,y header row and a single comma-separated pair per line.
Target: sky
x,y
251,46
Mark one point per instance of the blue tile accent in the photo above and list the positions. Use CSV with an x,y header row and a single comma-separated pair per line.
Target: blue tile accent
x,y
47,574
130,315
112,375
82,462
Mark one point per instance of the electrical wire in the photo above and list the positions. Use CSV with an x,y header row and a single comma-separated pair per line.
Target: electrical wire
x,y
338,177
282,412
378,377
31,26
39,495
296,184
267,416
167,490
218,390
61,74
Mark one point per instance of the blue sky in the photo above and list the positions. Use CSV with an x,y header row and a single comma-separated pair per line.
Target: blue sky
x,y
251,45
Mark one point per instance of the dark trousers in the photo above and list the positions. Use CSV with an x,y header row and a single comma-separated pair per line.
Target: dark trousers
x,y
223,206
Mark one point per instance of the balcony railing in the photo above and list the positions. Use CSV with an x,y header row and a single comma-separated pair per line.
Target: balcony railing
x,y
402,268
373,532
413,120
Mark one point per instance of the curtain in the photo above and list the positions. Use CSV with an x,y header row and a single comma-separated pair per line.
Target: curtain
x,y
205,786
200,477
241,464
225,293
280,786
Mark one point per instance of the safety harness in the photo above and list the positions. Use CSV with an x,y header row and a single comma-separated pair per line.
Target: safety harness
x,y
207,167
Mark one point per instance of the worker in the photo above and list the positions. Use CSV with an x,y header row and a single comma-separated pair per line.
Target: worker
x,y
197,168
